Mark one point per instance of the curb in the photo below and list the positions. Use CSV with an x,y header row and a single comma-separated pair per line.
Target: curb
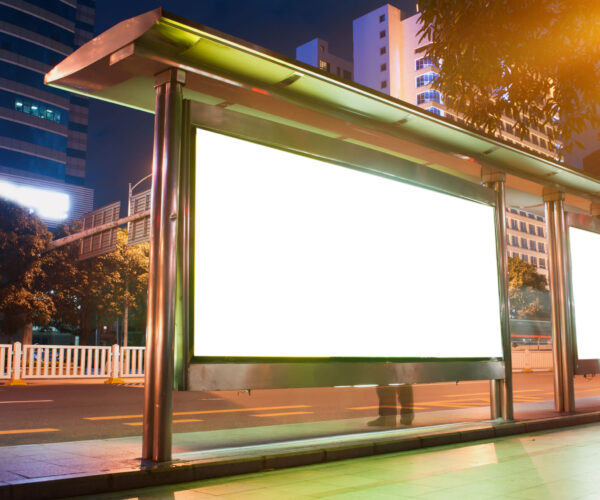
x,y
179,472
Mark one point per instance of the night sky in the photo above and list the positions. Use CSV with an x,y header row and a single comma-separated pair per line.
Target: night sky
x,y
120,139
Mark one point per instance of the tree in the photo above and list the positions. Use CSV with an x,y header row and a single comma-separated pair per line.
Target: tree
x,y
528,295
535,60
75,285
23,239
100,288
125,277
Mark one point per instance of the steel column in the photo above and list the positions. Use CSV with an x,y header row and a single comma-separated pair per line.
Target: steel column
x,y
158,396
501,388
564,395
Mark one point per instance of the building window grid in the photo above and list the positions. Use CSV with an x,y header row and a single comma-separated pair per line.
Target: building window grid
x,y
36,109
426,79
423,62
429,96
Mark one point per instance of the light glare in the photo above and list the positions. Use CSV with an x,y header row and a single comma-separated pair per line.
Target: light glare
x,y
48,204
585,267
300,258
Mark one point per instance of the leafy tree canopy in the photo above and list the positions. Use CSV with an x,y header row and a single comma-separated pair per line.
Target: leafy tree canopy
x,y
531,59
521,274
23,238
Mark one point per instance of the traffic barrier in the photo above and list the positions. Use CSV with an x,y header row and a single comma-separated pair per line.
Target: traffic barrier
x,y
528,360
6,355
18,362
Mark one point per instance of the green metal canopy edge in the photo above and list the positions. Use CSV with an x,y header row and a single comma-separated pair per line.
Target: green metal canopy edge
x,y
120,64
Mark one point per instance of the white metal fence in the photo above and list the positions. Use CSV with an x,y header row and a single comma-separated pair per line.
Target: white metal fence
x,y
19,362
6,356
61,361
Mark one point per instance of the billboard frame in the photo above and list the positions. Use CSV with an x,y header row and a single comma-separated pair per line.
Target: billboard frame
x,y
591,224
232,373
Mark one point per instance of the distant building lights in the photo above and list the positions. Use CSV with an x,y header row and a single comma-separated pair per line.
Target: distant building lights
x,y
48,204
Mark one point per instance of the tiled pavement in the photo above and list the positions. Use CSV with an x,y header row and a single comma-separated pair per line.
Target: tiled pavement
x,y
559,464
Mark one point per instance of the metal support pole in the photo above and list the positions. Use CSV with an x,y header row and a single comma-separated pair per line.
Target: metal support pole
x,y
564,394
503,388
158,393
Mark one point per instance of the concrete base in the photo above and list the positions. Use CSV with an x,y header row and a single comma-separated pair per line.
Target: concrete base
x,y
17,381
114,380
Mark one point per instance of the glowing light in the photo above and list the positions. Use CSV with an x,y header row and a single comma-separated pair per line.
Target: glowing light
x,y
297,257
585,249
48,204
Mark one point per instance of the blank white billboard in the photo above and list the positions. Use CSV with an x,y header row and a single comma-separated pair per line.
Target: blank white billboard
x,y
585,275
296,257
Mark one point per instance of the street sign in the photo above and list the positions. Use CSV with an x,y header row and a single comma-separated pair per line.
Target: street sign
x,y
104,241
138,231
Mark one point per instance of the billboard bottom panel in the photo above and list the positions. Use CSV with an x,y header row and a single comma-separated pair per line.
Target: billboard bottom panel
x,y
241,376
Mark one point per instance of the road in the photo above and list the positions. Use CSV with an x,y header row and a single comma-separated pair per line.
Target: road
x,y
45,412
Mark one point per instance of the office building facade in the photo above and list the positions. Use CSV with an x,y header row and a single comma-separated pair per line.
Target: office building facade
x,y
43,130
316,53
390,57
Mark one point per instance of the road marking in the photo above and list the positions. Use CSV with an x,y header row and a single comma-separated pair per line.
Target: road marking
x,y
203,412
282,414
463,395
28,431
183,420
30,401
375,407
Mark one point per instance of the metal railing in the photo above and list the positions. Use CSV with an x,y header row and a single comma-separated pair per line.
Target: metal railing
x,y
62,361
18,362
6,357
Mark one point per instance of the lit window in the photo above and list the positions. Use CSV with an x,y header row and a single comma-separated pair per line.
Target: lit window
x,y
322,48
39,110
426,79
423,62
429,96
323,65
435,111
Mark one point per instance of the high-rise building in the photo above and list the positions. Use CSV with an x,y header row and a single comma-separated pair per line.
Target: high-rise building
x,y
316,53
43,130
390,57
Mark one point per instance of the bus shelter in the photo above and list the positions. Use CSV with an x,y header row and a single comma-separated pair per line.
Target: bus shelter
x,y
310,232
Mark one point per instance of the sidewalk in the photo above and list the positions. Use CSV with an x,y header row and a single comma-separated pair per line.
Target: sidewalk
x,y
548,465
59,470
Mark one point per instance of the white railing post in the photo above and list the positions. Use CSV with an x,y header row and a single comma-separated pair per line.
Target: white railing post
x,y
15,378
114,370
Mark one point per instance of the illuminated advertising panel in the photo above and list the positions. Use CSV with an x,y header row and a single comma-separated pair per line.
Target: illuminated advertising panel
x,y
46,203
296,257
585,276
